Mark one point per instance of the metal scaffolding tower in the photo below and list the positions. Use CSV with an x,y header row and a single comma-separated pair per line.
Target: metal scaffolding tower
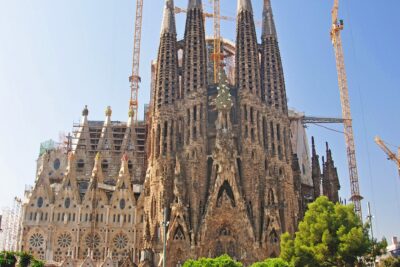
x,y
11,226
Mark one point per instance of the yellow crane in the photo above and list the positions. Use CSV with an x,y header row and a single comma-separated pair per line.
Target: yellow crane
x,y
391,155
218,56
337,27
179,10
134,79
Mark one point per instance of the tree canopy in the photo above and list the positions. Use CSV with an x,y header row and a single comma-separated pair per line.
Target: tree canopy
x,y
329,235
276,262
390,262
222,261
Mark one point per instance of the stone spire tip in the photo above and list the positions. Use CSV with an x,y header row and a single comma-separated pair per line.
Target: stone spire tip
x,y
314,152
194,4
244,5
108,111
268,24
85,111
168,23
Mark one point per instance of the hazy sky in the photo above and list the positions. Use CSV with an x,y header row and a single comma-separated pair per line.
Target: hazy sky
x,y
57,56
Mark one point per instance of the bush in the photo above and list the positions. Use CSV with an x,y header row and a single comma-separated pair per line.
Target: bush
x,y
277,262
390,262
7,259
24,259
37,263
222,261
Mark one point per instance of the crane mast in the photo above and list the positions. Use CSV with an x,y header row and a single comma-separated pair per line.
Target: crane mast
x,y
217,55
134,79
391,155
337,27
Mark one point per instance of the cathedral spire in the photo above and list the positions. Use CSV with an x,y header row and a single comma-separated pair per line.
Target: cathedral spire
x,y
315,170
273,90
247,57
83,135
167,72
168,23
129,141
268,24
314,152
195,54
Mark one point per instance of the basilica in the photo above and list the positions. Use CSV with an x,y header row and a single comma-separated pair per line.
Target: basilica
x,y
215,167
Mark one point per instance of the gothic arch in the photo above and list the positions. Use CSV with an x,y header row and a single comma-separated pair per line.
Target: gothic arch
x,y
179,233
273,237
271,197
227,189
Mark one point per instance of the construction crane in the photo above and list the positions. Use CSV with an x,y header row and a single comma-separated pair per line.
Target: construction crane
x,y
337,27
391,155
217,55
179,10
134,79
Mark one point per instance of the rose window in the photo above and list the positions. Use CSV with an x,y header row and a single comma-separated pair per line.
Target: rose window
x,y
64,240
36,240
92,240
120,241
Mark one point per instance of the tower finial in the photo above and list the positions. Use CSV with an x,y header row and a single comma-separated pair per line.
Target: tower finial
x,y
108,111
85,111
168,23
194,4
268,23
244,5
314,152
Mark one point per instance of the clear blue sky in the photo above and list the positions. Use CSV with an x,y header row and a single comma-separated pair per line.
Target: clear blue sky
x,y
57,56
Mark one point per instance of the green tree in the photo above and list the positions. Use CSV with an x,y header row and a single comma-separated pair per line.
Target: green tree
x,y
222,261
390,262
276,262
329,235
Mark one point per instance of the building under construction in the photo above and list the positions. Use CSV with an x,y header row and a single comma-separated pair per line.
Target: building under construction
x,y
219,156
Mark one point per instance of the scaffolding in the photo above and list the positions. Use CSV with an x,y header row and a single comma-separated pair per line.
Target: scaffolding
x,y
11,226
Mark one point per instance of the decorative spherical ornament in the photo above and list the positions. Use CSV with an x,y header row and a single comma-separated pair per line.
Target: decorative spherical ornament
x,y
108,111
64,240
120,241
36,240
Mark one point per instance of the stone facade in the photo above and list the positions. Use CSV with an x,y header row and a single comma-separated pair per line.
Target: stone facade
x,y
221,162
226,179
83,206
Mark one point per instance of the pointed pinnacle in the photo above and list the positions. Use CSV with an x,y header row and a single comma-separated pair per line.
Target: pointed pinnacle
x,y
314,152
194,4
268,26
168,23
244,5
